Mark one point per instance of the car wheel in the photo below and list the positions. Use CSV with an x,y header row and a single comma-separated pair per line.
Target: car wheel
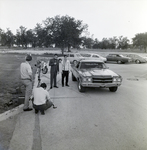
x,y
74,62
73,77
113,89
80,87
137,61
45,70
119,62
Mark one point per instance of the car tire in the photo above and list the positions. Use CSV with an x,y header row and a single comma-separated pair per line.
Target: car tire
x,y
113,89
137,61
74,62
119,61
73,77
45,70
80,87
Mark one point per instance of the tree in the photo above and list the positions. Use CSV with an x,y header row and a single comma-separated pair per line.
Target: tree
x,y
21,38
65,31
87,42
140,40
9,38
123,42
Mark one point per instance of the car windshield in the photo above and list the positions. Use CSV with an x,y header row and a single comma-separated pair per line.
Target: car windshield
x,y
90,65
78,55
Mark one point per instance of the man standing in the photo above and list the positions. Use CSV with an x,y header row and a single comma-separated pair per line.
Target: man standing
x,y
65,70
41,101
54,63
27,80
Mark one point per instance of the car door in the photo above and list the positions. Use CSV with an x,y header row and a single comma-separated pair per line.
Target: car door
x,y
110,57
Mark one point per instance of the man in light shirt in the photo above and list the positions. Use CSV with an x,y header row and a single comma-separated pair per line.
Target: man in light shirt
x,y
65,70
41,99
27,80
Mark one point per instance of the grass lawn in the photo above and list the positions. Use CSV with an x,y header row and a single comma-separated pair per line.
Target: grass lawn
x,y
10,79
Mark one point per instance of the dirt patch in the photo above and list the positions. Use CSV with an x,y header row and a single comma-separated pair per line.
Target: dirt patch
x,y
10,84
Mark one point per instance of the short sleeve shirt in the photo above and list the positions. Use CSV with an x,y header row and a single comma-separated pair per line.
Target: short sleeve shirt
x,y
25,70
40,96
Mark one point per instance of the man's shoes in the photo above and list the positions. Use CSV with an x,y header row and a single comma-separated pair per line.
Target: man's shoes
x,y
56,86
28,109
51,87
67,85
43,113
36,111
54,107
62,85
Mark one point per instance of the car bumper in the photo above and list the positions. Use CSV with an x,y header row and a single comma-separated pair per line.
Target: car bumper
x,y
101,85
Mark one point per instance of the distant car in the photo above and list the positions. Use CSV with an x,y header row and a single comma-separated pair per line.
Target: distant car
x,y
94,73
137,58
93,56
72,57
119,58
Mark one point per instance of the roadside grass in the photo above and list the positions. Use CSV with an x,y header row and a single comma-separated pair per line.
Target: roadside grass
x,y
10,83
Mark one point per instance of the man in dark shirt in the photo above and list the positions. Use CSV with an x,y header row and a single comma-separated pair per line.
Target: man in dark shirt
x,y
54,63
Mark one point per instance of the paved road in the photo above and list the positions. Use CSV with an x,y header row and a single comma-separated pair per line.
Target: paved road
x,y
94,120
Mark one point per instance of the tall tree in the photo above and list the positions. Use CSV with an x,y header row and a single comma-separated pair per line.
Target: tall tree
x,y
21,38
123,42
140,40
65,30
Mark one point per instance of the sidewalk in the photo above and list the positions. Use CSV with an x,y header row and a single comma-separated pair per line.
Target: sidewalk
x,y
33,131
25,135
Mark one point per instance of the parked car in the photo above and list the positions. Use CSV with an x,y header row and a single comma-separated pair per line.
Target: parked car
x,y
137,58
93,56
95,73
72,57
119,58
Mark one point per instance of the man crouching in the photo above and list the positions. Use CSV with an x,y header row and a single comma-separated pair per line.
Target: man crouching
x,y
41,99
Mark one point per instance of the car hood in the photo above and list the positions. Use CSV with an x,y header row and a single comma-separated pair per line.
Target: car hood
x,y
96,72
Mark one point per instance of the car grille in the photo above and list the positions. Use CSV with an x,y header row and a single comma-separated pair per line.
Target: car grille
x,y
102,79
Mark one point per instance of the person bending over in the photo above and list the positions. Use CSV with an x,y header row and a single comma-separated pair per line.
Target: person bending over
x,y
41,99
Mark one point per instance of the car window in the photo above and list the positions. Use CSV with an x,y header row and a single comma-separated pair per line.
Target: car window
x,y
95,56
78,55
90,65
86,55
71,55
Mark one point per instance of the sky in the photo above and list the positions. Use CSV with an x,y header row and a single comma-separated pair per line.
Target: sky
x,y
105,18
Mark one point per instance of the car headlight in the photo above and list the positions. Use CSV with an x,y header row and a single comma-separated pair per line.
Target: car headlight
x,y
87,79
117,79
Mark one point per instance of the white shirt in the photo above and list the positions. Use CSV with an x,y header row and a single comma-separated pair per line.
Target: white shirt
x,y
66,65
25,70
40,96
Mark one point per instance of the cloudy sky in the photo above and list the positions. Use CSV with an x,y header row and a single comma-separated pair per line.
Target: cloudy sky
x,y
105,18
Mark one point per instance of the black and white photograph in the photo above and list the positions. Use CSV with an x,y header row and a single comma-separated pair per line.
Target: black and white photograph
x,y
73,75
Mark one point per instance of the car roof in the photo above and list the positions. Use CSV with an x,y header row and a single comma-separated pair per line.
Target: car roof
x,y
87,60
90,53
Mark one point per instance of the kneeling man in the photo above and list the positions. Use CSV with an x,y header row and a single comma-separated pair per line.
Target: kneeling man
x,y
41,99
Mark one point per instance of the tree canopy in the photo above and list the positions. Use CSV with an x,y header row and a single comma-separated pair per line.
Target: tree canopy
x,y
65,31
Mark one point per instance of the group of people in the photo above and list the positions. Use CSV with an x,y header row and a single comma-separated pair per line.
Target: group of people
x,y
39,95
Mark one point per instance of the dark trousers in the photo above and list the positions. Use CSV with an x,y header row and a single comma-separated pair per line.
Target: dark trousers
x,y
65,75
43,107
53,78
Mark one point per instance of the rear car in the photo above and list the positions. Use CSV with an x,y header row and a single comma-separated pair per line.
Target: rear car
x,y
119,58
72,57
137,58
93,56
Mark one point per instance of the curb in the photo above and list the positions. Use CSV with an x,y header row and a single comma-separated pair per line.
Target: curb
x,y
11,112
